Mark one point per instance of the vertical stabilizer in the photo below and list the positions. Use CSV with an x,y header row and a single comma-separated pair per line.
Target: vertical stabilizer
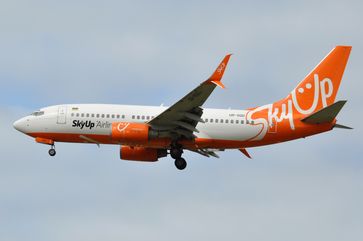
x,y
320,87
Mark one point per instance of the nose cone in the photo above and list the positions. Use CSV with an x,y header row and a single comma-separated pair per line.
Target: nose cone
x,y
20,125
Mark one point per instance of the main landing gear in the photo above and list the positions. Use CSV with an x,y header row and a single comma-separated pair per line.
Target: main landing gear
x,y
52,151
176,152
180,163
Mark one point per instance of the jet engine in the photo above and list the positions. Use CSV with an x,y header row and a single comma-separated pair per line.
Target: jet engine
x,y
141,153
130,133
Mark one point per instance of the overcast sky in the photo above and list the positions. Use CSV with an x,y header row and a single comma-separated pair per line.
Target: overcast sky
x,y
154,52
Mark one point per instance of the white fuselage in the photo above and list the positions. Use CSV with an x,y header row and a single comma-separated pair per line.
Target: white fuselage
x,y
96,119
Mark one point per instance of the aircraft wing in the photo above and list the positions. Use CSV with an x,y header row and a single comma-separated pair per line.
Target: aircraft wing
x,y
208,152
180,119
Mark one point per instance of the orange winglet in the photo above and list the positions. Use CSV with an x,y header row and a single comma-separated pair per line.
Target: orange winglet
x,y
244,151
218,73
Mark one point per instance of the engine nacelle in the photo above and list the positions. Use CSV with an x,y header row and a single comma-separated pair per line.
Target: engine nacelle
x,y
130,133
141,154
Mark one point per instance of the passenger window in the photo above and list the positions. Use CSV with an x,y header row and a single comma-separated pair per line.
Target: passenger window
x,y
112,116
237,121
252,122
231,121
133,117
108,116
147,117
92,115
72,114
103,116
247,122
211,120
221,120
143,117
138,117
77,114
98,115
87,115
226,121
216,120
82,115
242,121
123,116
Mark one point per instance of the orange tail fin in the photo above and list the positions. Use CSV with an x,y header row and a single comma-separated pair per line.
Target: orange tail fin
x,y
320,86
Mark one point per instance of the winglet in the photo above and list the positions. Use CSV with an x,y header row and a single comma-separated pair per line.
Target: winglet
x,y
218,73
244,151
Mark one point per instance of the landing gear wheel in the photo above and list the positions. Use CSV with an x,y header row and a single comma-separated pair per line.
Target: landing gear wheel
x,y
176,153
180,163
52,152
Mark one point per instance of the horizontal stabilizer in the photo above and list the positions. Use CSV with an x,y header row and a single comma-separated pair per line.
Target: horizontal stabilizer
x,y
342,127
325,115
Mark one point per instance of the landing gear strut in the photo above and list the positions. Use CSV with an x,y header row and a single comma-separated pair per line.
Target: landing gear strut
x,y
52,151
176,152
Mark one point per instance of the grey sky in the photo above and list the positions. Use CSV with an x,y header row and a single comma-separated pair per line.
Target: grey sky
x,y
153,52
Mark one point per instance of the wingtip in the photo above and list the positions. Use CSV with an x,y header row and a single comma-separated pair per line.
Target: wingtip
x,y
218,73
226,58
219,83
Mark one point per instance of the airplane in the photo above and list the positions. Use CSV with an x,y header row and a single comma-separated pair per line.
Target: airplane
x,y
147,133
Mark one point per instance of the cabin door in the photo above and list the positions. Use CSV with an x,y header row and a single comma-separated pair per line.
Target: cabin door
x,y
62,111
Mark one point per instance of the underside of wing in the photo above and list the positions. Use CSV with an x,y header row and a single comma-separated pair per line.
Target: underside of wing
x,y
208,152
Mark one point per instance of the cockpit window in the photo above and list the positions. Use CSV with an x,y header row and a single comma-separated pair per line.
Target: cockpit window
x,y
38,113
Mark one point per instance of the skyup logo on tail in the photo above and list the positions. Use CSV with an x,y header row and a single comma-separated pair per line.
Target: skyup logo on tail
x,y
315,93
83,124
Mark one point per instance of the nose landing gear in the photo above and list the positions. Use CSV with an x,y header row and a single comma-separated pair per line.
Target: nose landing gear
x,y
52,151
47,141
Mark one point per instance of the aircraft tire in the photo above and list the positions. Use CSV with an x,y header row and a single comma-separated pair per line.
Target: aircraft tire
x,y
180,163
52,152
